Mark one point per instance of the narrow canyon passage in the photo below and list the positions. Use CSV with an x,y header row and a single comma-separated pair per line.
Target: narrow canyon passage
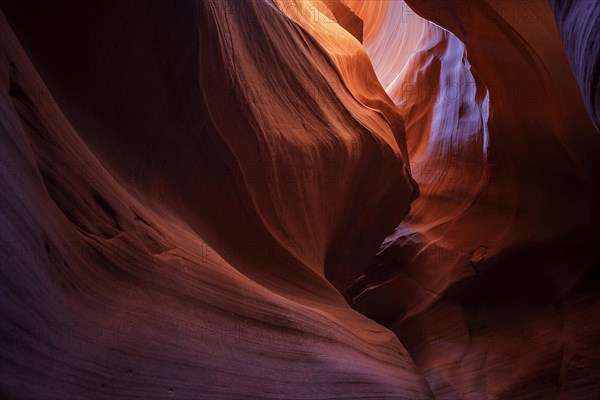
x,y
300,199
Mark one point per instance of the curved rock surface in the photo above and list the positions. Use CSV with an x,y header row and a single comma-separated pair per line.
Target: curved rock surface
x,y
299,199
579,26
480,279
214,285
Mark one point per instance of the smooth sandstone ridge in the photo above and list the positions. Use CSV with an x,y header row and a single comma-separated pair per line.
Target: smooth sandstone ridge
x,y
299,199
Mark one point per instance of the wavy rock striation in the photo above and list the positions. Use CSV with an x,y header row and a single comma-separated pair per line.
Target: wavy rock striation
x,y
579,26
481,278
212,285
299,199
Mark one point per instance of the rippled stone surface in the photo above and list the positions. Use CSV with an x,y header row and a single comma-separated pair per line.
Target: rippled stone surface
x,y
299,199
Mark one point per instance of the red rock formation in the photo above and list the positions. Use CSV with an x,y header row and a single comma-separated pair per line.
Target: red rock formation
x,y
346,18
190,189
480,280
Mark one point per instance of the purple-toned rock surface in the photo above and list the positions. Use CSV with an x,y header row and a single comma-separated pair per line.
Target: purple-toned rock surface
x,y
299,199
578,22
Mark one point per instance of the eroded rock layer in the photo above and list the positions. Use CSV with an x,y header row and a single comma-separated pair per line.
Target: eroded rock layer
x,y
481,278
299,199
213,285
579,26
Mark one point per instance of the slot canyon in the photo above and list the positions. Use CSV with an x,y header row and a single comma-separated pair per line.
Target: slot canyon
x,y
300,199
